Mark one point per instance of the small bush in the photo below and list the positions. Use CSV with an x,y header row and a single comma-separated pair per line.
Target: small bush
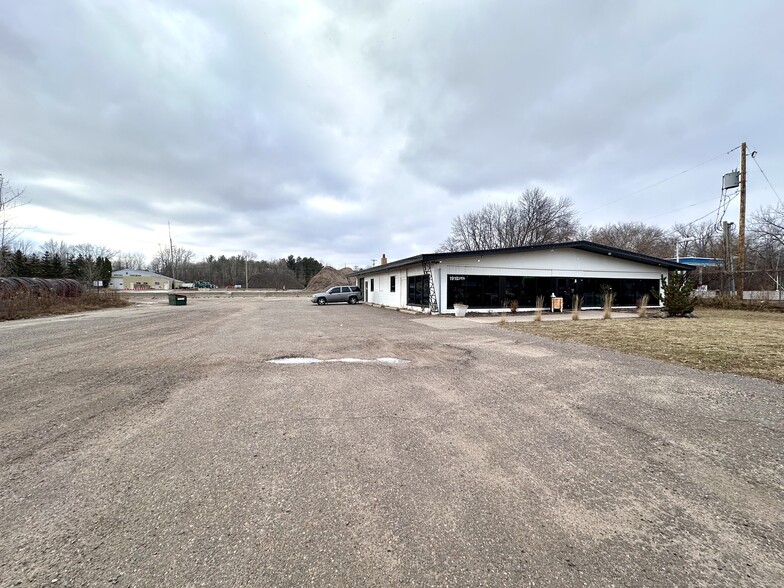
x,y
576,301
513,305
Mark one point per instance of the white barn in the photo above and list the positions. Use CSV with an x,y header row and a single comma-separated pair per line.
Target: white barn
x,y
490,280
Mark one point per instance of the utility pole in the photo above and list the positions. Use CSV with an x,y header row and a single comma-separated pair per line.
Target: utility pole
x,y
171,254
728,256
742,222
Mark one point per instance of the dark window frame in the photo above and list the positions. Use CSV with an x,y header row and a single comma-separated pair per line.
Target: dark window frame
x,y
418,291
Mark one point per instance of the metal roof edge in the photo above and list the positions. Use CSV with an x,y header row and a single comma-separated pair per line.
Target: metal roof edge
x,y
588,246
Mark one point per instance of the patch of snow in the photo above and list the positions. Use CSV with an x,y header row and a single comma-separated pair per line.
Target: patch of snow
x,y
301,360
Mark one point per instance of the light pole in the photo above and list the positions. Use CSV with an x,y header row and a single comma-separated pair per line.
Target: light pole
x,y
248,255
677,243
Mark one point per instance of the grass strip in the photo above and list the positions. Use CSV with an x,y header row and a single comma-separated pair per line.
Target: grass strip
x,y
733,341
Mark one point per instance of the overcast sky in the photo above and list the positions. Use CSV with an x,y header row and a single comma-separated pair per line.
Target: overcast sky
x,y
346,129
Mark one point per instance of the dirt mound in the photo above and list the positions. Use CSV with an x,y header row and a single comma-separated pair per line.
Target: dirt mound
x,y
346,271
327,277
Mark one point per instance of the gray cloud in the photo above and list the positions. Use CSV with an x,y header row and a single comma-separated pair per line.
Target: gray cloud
x,y
345,129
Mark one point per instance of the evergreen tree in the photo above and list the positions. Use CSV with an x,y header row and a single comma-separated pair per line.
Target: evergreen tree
x,y
34,266
46,265
19,263
678,291
75,265
106,271
56,267
6,260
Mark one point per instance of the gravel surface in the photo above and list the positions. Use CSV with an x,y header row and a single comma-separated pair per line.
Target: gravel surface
x,y
159,446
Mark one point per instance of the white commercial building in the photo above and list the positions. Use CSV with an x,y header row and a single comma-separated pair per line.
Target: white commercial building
x,y
129,279
491,280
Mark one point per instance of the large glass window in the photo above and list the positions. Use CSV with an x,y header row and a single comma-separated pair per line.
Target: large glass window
x,y
418,291
499,291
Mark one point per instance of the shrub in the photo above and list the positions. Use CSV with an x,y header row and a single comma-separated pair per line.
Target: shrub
x,y
642,306
513,304
576,307
609,298
539,308
678,291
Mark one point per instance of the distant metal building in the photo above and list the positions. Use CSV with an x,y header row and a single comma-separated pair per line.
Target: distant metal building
x,y
129,279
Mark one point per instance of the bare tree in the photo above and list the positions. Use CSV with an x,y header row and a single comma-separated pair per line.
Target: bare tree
x,y
172,261
768,223
134,261
632,236
767,245
533,219
10,199
60,249
700,239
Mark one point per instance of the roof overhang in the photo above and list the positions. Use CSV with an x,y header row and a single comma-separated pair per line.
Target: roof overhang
x,y
580,245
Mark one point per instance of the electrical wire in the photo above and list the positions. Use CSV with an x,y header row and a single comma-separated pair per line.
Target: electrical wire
x,y
678,209
662,181
764,175
712,211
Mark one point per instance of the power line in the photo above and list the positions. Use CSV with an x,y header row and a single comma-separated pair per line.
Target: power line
x,y
712,211
662,181
678,209
764,175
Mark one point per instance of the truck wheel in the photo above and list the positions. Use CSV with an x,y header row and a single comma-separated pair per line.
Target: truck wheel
x,y
322,301
352,300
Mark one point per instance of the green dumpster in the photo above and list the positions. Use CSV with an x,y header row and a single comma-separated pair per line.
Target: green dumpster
x,y
178,299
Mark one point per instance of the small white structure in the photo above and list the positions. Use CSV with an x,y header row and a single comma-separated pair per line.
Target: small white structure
x,y
491,280
129,279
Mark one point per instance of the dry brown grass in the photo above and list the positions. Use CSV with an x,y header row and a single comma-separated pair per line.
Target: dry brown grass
x,y
733,341
539,309
29,304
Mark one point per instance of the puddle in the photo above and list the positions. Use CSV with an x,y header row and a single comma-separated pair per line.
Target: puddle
x,y
298,360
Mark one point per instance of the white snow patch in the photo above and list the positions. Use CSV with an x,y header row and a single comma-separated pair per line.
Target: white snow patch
x,y
300,360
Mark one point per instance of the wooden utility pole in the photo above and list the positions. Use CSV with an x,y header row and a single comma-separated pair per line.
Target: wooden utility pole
x,y
742,222
730,271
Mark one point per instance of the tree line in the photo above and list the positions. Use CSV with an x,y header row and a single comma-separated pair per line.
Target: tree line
x,y
90,263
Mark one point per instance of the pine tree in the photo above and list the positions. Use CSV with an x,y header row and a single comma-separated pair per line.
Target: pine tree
x,y
56,267
19,263
678,291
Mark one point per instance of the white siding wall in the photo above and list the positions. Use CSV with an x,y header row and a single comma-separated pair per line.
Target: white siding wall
x,y
558,262
381,289
553,263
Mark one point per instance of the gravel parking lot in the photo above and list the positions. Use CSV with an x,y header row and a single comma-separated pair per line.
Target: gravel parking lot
x,y
158,446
